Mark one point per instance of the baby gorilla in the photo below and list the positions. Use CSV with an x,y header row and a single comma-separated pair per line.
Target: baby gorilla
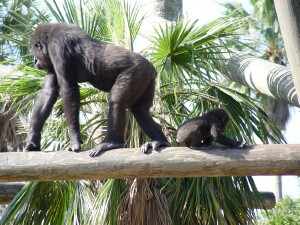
x,y
70,56
201,131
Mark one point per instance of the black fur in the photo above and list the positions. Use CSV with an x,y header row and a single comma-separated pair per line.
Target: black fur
x,y
201,131
70,55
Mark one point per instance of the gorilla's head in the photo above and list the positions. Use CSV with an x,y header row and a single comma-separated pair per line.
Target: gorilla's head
x,y
39,47
222,115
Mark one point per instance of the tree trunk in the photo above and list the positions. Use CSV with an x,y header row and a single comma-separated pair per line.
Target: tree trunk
x,y
288,13
278,188
268,78
168,9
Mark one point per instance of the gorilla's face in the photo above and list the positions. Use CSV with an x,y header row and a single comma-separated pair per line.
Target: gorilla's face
x,y
38,47
224,118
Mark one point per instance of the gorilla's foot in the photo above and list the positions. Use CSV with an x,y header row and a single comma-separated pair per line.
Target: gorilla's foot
x,y
74,147
31,146
241,145
105,146
155,145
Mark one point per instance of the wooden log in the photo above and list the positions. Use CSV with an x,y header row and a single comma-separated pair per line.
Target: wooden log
x,y
268,200
8,191
168,162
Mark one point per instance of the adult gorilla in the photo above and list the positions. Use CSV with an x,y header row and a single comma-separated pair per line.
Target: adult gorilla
x,y
70,56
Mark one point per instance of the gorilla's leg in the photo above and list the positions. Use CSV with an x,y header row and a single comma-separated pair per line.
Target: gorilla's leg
x,y
133,90
149,126
115,129
200,144
141,113
119,99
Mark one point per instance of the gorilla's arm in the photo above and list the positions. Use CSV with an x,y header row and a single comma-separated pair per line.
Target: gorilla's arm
x,y
222,139
69,91
41,111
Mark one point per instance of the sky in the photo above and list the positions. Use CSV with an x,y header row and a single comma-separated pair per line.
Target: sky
x,y
206,11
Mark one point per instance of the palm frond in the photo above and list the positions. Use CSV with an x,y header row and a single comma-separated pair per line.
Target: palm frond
x,y
48,203
204,201
105,210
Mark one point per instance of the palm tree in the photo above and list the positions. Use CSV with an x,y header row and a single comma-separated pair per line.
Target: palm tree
x,y
271,43
273,47
185,56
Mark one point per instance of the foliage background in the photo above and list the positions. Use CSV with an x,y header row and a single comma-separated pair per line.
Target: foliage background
x,y
189,84
286,211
